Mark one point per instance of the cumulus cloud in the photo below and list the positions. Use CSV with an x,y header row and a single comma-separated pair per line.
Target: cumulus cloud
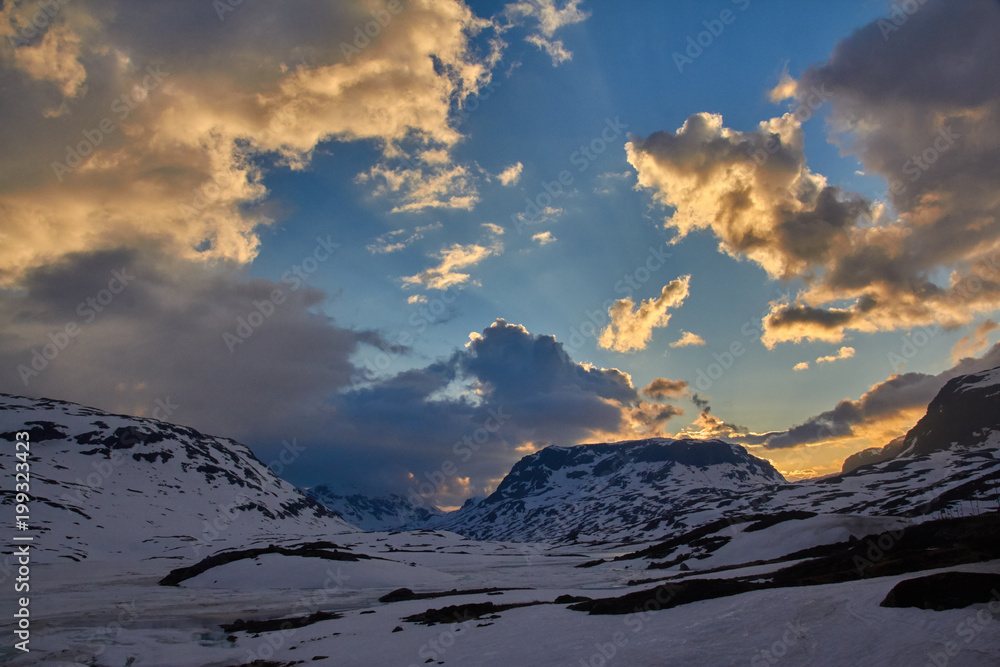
x,y
547,17
511,175
921,111
646,420
631,326
968,346
801,366
707,426
842,353
527,381
688,339
453,258
776,212
165,142
664,388
543,238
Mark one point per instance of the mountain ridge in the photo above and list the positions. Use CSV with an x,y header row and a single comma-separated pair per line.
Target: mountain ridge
x,y
113,487
951,454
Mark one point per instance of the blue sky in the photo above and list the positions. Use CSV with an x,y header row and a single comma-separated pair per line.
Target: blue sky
x,y
407,167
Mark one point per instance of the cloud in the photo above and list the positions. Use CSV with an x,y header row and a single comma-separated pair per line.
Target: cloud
x,y
688,339
664,388
544,238
785,89
706,426
920,110
162,336
416,421
631,326
55,58
776,212
797,323
396,240
968,346
292,377
842,353
548,18
801,366
494,229
168,138
446,274
885,411
511,175
647,420
701,402
419,189
547,214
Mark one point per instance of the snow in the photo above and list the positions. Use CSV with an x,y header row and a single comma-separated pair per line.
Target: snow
x,y
141,517
982,380
791,536
277,571
831,625
95,500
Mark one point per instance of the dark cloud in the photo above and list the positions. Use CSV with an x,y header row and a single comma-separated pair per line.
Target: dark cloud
x,y
664,388
527,393
701,403
162,336
286,386
888,399
654,415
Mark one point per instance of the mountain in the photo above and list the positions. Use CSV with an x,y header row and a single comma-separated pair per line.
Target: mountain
x,y
613,491
949,462
874,455
962,415
373,513
112,487
956,442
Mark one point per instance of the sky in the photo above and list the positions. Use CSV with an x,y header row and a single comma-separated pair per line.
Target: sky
x,y
396,246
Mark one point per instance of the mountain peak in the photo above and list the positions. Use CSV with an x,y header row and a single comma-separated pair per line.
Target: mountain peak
x,y
962,413
603,488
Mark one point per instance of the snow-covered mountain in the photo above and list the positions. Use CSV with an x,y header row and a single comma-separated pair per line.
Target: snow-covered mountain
x,y
611,492
962,415
948,462
111,487
950,456
373,513
874,455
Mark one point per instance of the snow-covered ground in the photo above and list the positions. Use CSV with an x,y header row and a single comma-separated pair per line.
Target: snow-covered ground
x,y
101,613
118,503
